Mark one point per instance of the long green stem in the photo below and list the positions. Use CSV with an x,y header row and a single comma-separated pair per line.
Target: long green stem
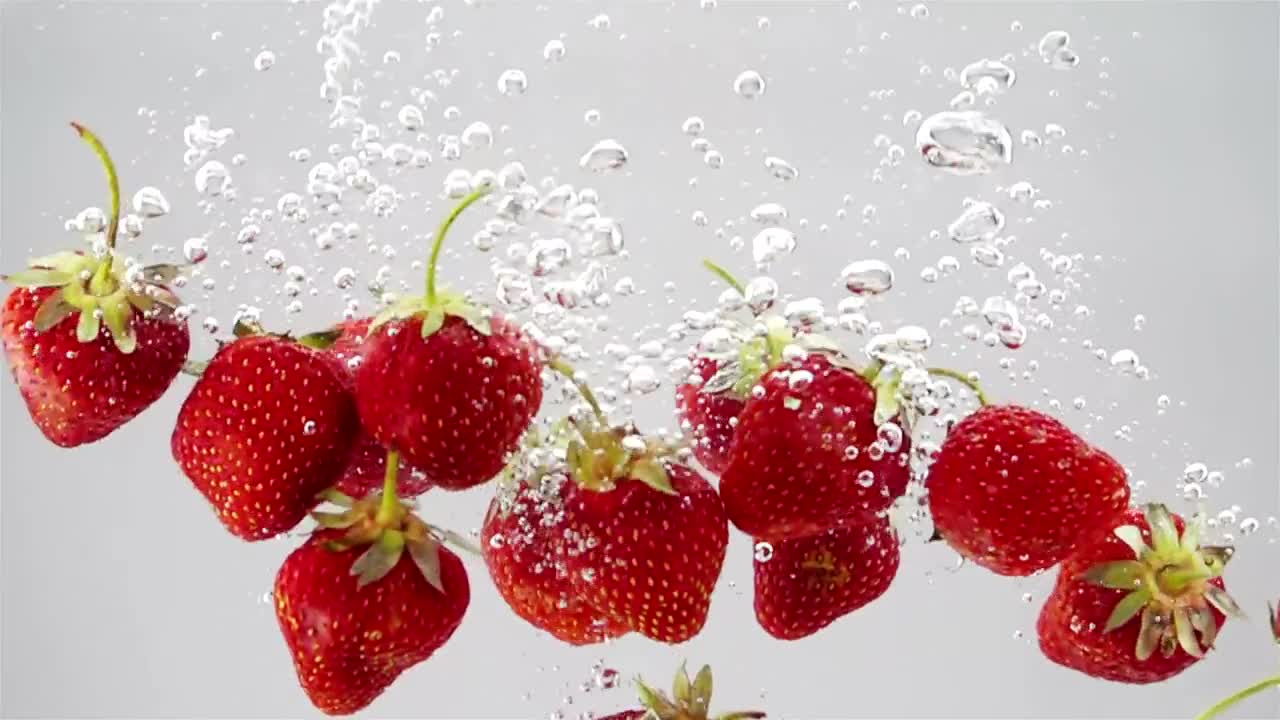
x,y
1273,681
963,379
566,370
726,276
112,179
439,241
390,504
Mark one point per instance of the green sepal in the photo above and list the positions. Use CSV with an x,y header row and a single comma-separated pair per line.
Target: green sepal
x,y
459,541
334,521
39,278
118,314
888,403
162,273
52,311
1119,575
1148,635
426,555
1222,600
1131,535
655,701
652,473
447,304
432,321
1186,634
89,326
1126,609
379,559
1164,534
742,715
681,687
321,339
245,327
67,260
700,698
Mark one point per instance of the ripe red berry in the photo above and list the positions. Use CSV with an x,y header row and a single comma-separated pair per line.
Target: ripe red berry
x,y
1137,605
808,455
1015,491
708,419
804,585
266,428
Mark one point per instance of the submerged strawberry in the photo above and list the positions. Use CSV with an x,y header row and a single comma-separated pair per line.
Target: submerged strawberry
x,y
809,456
266,428
370,595
1016,491
451,386
807,584
1138,605
524,546
708,418
80,380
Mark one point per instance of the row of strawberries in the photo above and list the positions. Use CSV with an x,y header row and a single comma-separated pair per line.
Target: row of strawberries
x,y
597,530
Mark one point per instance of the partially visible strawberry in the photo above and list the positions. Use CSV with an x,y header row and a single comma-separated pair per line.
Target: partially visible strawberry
x,y
448,384
708,418
1140,604
690,699
79,391
523,541
1016,491
808,455
367,466
649,535
810,583
358,608
266,428
81,381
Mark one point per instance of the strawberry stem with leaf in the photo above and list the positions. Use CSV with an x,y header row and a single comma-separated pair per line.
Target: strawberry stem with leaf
x,y
390,504
567,371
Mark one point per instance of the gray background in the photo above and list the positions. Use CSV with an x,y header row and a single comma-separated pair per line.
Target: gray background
x,y
122,597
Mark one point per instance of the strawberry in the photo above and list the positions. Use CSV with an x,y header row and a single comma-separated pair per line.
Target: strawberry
x,y
1140,604
450,386
81,381
808,455
690,700
649,535
367,464
708,418
357,610
1015,490
524,547
811,582
267,427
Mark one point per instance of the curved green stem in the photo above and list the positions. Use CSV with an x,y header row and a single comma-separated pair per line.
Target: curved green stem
x,y
1273,681
963,379
112,179
726,276
389,508
194,368
566,370
444,230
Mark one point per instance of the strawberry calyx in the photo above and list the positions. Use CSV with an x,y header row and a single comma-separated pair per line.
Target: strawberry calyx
x,y
690,699
1169,586
438,304
601,456
388,527
99,288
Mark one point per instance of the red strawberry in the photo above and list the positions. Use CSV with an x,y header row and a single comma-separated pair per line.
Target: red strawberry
x,y
1138,605
709,419
690,699
80,391
268,426
524,546
367,465
649,536
810,583
1015,490
357,610
81,381
450,386
808,455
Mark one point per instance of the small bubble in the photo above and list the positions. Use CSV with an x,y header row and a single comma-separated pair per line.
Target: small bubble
x,y
763,552
749,84
264,60
513,82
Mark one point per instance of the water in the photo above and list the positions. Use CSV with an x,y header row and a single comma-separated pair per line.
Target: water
x,y
853,165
